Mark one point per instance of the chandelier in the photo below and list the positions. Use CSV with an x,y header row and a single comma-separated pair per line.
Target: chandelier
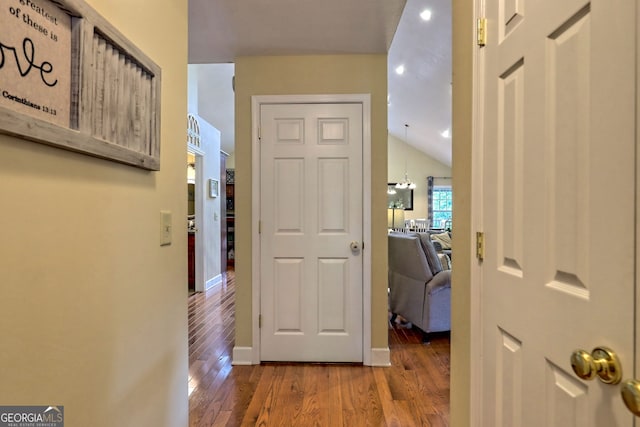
x,y
406,182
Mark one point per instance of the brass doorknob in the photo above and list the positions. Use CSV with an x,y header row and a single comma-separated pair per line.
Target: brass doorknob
x,y
630,391
602,362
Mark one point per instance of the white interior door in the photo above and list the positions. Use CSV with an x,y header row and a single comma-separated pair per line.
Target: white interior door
x,y
558,105
311,232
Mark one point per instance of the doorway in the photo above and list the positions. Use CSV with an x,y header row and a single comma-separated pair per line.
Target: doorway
x,y
191,223
195,200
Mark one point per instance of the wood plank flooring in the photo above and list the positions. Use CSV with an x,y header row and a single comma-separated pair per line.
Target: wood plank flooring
x,y
414,391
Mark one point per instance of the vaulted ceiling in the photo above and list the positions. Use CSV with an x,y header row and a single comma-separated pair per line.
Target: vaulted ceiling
x,y
220,30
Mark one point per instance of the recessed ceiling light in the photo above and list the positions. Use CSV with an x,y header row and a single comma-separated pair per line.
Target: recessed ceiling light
x,y
426,15
446,133
400,69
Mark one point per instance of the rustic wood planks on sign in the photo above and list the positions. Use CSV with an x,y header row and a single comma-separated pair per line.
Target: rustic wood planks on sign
x,y
114,102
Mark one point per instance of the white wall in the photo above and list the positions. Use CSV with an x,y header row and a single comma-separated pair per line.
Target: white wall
x,y
210,232
192,89
419,166
215,99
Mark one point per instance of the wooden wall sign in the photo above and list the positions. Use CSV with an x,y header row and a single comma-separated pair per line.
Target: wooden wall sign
x,y
69,79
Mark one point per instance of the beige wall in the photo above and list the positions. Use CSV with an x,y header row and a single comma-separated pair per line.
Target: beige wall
x,y
418,166
463,51
231,161
333,74
94,311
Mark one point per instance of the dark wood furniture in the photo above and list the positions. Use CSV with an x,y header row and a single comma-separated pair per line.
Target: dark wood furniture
x,y
191,257
223,212
230,217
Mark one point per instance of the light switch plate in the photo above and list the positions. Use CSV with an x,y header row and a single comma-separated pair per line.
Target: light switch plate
x,y
166,228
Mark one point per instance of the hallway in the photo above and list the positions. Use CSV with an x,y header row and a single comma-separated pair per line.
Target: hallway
x,y
414,391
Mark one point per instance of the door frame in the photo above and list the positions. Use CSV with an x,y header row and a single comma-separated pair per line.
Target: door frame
x,y
256,102
635,371
476,224
199,189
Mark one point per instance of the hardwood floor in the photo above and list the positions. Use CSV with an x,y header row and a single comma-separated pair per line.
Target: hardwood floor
x,y
414,391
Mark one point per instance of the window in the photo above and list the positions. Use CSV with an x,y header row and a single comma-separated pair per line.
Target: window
x,y
442,201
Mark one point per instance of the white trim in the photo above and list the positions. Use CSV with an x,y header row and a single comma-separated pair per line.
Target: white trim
x,y
256,101
213,282
380,357
366,231
637,204
255,237
242,356
195,150
475,269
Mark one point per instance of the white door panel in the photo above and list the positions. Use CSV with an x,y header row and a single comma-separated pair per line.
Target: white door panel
x,y
558,208
311,210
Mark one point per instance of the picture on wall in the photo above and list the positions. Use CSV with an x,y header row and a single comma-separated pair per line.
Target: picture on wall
x,y
214,188
399,197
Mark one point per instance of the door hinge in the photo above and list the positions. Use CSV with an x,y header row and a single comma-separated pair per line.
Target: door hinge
x,y
259,227
259,321
482,31
259,134
480,245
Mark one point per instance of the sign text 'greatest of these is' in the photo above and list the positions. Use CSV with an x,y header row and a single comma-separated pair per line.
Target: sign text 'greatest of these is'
x,y
35,59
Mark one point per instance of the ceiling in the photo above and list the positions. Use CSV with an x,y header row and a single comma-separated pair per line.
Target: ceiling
x,y
421,97
220,30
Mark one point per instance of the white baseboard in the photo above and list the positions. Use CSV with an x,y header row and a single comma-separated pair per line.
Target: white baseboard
x,y
380,357
242,356
213,282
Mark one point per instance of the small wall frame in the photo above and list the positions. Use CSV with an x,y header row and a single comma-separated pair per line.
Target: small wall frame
x,y
214,188
70,79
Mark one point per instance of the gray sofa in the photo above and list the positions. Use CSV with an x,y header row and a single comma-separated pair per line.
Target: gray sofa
x,y
419,288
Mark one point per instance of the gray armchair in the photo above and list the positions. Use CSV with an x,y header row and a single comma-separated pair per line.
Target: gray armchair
x,y
419,288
